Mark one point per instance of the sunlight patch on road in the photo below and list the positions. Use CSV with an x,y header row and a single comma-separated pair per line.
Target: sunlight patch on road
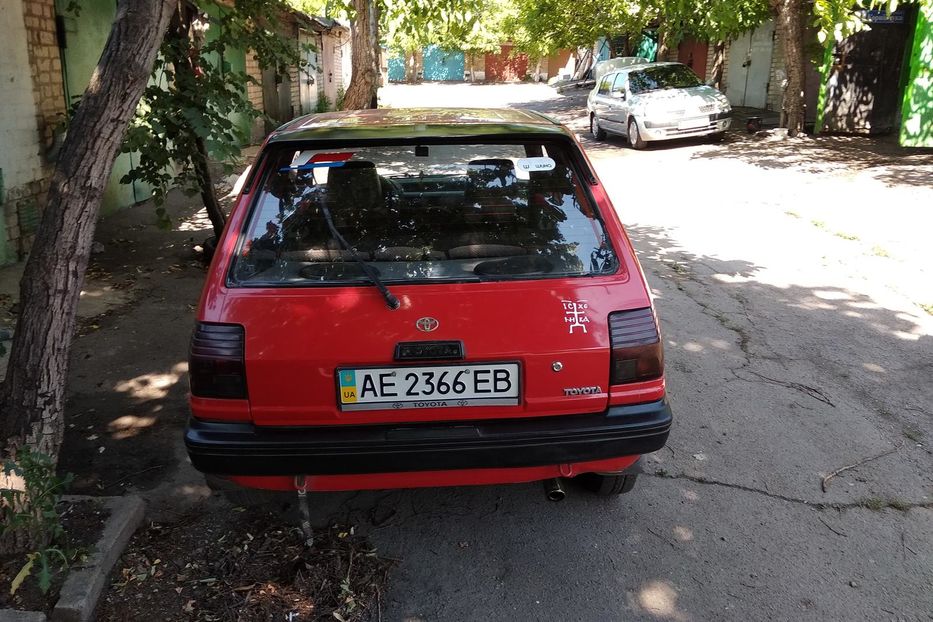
x,y
152,386
198,222
683,534
659,599
128,426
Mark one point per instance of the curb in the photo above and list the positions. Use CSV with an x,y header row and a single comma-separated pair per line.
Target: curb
x,y
12,615
84,584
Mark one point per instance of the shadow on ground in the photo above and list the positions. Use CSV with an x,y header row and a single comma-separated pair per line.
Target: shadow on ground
x,y
880,156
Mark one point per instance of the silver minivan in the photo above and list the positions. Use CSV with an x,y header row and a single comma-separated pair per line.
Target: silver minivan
x,y
656,101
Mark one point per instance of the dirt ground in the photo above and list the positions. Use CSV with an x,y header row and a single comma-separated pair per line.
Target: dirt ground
x,y
793,282
244,565
83,522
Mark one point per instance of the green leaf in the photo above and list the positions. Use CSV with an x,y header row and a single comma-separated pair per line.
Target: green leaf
x,y
23,573
45,574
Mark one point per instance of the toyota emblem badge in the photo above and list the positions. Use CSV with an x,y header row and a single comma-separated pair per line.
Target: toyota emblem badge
x,y
427,324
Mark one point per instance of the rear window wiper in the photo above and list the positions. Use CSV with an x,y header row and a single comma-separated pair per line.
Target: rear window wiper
x,y
391,301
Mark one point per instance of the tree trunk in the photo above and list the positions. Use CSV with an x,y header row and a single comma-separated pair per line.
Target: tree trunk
x,y
661,55
362,90
180,35
411,66
33,392
788,21
719,64
208,192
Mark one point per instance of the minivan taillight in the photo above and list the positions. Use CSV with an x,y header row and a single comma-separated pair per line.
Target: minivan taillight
x,y
215,363
637,354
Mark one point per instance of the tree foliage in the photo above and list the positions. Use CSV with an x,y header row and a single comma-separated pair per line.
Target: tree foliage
x,y
190,108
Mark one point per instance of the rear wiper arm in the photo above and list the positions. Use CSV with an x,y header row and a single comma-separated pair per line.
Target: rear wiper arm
x,y
390,298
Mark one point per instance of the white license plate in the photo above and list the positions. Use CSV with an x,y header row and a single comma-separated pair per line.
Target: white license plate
x,y
435,386
690,124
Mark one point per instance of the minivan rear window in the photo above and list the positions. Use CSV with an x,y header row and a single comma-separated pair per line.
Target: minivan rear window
x,y
420,213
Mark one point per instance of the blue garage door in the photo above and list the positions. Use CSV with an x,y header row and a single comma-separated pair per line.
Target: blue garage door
x,y
397,69
443,64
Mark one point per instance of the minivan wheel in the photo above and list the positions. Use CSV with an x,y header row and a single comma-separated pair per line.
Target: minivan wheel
x,y
597,132
634,137
608,485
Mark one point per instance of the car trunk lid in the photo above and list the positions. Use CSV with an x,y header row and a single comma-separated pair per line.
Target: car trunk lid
x,y
557,334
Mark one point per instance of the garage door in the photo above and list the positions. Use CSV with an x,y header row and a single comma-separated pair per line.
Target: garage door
x,y
440,64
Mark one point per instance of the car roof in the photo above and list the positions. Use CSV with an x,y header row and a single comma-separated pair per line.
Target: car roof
x,y
389,123
640,67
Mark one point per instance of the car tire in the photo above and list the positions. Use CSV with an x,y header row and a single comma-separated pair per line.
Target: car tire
x,y
597,132
634,136
608,485
717,137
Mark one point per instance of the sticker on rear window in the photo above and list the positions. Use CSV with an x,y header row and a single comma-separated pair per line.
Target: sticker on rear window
x,y
302,161
531,165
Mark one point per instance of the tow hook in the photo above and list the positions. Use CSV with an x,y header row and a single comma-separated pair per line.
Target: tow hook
x,y
553,490
305,508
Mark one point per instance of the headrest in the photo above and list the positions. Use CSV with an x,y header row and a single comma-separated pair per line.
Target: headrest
x,y
355,185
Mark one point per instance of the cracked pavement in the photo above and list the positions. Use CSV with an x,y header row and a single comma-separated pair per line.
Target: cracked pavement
x,y
792,351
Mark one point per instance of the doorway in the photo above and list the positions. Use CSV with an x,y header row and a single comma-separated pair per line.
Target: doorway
x,y
749,67
307,87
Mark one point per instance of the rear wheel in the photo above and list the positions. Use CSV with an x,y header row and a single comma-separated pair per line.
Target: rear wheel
x,y
608,485
597,132
634,137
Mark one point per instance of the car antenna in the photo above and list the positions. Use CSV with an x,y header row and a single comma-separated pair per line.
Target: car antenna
x,y
391,300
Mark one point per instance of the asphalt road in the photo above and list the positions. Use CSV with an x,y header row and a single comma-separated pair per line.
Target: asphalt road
x,y
796,345
793,280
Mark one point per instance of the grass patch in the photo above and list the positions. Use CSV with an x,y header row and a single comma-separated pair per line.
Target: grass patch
x,y
898,504
878,251
875,504
913,434
927,308
819,224
792,214
846,236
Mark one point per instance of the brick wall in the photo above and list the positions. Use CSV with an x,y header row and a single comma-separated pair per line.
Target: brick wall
x,y
46,65
711,57
254,94
33,104
776,75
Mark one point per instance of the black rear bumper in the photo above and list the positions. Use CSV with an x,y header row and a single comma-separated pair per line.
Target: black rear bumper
x,y
245,449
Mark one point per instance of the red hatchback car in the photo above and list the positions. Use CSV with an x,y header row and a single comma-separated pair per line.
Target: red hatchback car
x,y
409,297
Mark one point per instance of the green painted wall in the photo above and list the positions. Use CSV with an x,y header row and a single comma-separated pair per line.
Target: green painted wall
x,y
917,109
85,37
236,59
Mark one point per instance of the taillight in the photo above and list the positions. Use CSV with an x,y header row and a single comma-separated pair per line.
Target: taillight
x,y
215,363
637,354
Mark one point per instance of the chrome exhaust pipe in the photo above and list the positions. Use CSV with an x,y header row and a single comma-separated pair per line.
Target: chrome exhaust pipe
x,y
553,490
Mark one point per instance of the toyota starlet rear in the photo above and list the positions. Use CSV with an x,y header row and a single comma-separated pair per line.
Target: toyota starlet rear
x,y
410,298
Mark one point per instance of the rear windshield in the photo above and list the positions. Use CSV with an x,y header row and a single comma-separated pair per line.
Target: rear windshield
x,y
432,213
663,77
